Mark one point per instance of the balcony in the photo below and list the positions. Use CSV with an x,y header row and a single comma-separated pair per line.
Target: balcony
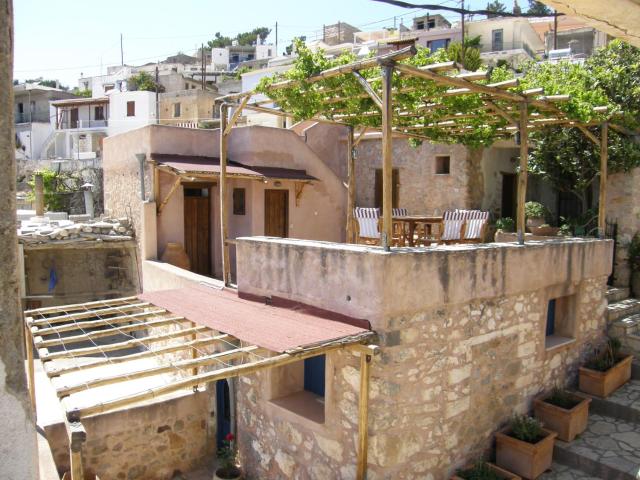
x,y
28,117
67,124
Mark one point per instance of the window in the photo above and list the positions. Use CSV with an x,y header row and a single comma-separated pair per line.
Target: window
x,y
20,108
443,165
420,25
131,109
560,326
497,42
395,189
431,23
186,86
434,45
99,113
176,110
239,201
314,375
107,87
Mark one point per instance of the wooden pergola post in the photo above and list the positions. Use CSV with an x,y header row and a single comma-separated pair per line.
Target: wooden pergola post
x,y
351,186
226,268
522,174
30,369
387,154
366,354
602,201
77,436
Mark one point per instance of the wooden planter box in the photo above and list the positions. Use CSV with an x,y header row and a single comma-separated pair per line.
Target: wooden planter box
x,y
501,472
566,423
603,384
529,460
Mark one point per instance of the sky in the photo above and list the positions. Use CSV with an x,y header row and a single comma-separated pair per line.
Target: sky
x,y
63,39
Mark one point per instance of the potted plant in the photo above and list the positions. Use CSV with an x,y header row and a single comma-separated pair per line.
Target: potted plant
x,y
524,447
228,460
545,230
634,264
482,470
563,412
504,227
607,371
535,213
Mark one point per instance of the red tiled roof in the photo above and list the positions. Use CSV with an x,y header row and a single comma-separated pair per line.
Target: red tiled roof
x,y
211,165
278,329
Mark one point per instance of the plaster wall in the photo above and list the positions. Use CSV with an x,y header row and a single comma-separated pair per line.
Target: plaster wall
x,y
495,162
462,349
195,105
145,111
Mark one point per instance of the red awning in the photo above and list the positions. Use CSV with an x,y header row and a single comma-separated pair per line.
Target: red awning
x,y
275,328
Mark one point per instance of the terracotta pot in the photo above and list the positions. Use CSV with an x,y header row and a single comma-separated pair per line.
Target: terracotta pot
x,y
175,255
566,423
501,472
529,460
603,384
218,475
534,222
545,231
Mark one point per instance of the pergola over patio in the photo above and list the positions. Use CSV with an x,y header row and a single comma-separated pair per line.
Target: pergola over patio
x,y
206,335
508,111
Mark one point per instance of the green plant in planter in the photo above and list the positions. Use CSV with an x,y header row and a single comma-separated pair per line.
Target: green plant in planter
x,y
479,471
526,428
506,224
565,230
605,357
228,458
561,398
535,210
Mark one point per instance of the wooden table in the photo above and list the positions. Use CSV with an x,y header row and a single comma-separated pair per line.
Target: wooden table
x,y
412,221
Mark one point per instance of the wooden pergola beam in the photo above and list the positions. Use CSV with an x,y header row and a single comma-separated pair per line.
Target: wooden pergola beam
x,y
89,314
236,115
80,306
387,154
351,186
224,218
169,194
522,173
95,323
368,89
602,200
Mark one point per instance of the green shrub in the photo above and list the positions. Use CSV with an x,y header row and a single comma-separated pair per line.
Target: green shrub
x,y
480,471
535,210
506,224
526,428
561,398
605,357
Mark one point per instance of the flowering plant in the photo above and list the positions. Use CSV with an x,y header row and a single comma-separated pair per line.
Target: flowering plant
x,y
228,457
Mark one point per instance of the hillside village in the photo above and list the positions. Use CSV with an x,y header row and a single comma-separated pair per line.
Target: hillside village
x,y
399,249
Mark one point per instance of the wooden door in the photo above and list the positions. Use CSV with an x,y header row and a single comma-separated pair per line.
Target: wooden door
x,y
74,118
509,195
276,213
197,228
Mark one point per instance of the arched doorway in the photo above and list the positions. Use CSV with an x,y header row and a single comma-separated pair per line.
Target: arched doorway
x,y
223,409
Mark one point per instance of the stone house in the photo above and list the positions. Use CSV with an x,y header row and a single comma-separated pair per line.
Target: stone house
x,y
187,107
278,187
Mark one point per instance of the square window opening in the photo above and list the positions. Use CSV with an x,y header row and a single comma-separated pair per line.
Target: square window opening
x,y
239,205
299,388
131,109
176,109
560,321
443,165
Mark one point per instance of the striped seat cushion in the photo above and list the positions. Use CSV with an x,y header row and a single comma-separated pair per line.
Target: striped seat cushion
x,y
399,212
452,222
367,221
475,221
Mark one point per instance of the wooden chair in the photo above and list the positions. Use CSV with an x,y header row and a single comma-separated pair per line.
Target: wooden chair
x,y
399,231
475,226
367,225
453,225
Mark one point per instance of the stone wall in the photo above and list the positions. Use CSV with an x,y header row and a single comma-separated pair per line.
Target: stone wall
x,y
463,347
154,440
623,207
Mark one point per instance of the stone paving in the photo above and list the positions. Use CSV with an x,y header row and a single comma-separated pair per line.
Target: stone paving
x,y
613,443
562,472
628,396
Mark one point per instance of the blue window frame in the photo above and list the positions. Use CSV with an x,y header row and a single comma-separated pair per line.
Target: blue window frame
x,y
314,374
551,317
436,44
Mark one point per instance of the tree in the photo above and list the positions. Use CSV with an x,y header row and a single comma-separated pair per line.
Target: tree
x,y
497,7
539,8
86,93
143,81
292,48
245,38
468,55
219,41
516,8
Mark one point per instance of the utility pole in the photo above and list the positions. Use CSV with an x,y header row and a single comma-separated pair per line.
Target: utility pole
x,y
121,52
203,64
462,26
157,100
276,39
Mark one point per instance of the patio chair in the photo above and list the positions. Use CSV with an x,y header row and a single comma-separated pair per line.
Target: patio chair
x,y
453,223
475,226
399,212
367,223
399,229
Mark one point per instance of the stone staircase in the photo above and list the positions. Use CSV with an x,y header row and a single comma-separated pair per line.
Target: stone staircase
x,y
623,315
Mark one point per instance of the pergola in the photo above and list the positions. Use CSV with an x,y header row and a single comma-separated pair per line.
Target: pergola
x,y
509,111
61,335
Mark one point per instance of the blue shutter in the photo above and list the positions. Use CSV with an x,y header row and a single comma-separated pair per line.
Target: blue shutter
x,y
314,370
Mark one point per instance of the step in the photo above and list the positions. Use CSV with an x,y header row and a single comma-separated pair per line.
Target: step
x,y
609,448
623,404
635,370
564,472
625,326
623,308
616,294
